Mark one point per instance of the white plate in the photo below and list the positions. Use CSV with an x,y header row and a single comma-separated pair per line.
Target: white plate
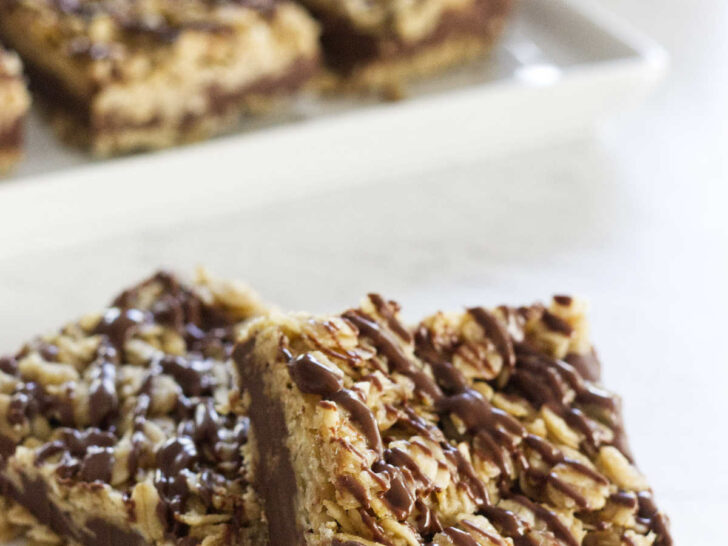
x,y
564,65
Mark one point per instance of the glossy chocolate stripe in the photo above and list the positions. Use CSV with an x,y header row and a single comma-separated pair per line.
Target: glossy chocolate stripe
x,y
495,331
397,360
314,377
384,309
459,538
361,415
552,521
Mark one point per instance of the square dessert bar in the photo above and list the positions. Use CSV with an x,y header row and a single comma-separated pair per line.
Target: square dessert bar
x,y
14,104
380,43
118,430
483,427
125,75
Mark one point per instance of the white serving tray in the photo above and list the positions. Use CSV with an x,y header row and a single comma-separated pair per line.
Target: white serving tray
x,y
563,66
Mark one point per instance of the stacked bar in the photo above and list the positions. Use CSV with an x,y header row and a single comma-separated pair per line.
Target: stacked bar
x,y
14,104
382,43
120,76
119,429
485,427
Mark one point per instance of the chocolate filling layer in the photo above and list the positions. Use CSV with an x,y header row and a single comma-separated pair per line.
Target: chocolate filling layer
x,y
275,478
35,497
11,137
220,102
347,47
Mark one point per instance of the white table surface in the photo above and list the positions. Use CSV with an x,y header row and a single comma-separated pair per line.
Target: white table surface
x,y
633,217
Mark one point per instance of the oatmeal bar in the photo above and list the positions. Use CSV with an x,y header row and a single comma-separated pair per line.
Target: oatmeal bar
x,y
125,75
118,430
14,103
378,44
483,427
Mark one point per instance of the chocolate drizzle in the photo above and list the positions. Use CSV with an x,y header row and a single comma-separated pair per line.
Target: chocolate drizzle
x,y
587,365
552,457
97,465
313,377
375,529
495,331
361,415
653,518
427,522
556,323
398,362
508,522
493,428
485,534
173,458
546,381
554,524
354,486
118,324
398,496
85,455
30,400
388,310
103,399
447,375
469,480
8,365
477,414
460,538
190,372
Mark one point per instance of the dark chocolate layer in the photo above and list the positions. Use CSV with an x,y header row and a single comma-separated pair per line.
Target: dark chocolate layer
x,y
274,475
347,47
